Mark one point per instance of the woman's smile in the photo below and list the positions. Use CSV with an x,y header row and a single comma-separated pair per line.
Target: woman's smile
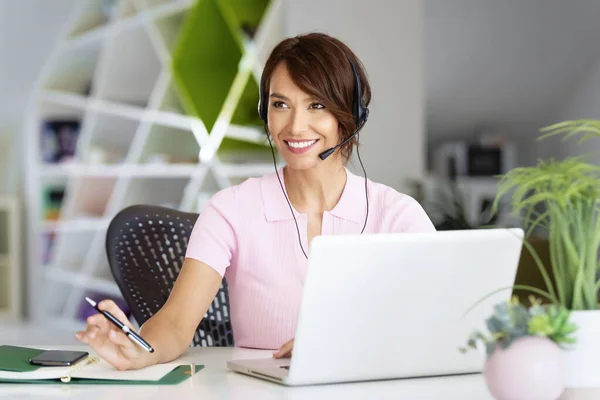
x,y
300,146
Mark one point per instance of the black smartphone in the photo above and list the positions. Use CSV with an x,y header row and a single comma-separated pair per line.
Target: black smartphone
x,y
58,358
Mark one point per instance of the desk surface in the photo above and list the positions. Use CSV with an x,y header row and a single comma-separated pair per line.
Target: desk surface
x,y
215,381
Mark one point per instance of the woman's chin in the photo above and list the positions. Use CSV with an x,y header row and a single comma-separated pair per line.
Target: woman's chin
x,y
301,163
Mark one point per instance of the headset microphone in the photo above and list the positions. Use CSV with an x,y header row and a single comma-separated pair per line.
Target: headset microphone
x,y
330,151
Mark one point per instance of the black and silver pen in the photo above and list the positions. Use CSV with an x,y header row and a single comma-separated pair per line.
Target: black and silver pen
x,y
131,334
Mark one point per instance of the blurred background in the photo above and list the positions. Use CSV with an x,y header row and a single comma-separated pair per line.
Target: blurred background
x,y
109,103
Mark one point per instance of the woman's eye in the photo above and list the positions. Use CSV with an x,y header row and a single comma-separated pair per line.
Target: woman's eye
x,y
278,104
317,106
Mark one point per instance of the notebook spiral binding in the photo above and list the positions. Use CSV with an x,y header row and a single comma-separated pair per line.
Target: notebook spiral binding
x,y
90,360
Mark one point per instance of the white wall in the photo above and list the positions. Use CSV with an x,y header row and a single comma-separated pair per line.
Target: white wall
x,y
28,29
583,101
504,64
386,36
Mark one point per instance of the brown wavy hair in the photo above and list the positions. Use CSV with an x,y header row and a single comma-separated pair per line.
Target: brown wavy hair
x,y
319,65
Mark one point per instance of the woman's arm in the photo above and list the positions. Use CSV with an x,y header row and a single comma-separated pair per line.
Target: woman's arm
x,y
170,331
173,327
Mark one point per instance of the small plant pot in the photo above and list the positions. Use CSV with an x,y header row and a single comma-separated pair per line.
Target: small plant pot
x,y
529,369
582,359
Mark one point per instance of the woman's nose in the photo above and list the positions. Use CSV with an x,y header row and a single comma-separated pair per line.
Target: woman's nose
x,y
299,122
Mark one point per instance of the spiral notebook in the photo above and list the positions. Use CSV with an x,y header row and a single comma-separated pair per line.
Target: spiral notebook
x,y
15,368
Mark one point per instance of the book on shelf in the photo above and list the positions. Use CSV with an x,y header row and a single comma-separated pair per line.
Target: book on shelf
x,y
59,140
52,201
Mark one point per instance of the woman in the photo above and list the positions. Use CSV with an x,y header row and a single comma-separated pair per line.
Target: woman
x,y
257,234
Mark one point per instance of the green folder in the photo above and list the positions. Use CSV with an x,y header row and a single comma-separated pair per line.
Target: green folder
x,y
16,359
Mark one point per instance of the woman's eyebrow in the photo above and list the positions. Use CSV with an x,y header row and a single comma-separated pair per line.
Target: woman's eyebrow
x,y
282,97
279,96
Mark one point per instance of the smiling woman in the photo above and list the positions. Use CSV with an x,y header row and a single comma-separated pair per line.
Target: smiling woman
x,y
322,83
314,96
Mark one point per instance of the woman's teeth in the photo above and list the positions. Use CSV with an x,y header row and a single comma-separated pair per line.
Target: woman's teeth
x,y
301,145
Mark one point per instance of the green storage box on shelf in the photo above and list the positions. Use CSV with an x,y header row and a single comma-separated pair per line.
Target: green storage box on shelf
x,y
206,57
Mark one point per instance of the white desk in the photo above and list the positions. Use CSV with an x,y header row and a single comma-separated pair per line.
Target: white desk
x,y
216,382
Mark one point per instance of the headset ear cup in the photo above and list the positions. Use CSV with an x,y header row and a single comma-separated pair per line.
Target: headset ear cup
x,y
364,115
262,103
258,109
261,109
359,108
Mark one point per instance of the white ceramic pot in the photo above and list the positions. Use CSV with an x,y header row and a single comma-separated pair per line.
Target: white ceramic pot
x,y
582,360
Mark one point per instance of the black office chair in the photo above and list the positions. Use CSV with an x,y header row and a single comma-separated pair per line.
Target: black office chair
x,y
145,246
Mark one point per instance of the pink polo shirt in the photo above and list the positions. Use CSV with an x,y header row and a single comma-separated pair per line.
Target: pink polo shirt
x,y
247,234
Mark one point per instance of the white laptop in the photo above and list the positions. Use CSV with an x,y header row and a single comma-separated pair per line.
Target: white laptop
x,y
390,306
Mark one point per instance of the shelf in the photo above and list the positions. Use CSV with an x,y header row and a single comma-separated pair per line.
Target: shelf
x,y
164,8
69,250
170,145
269,33
76,224
156,3
210,184
169,113
59,98
83,281
110,139
132,68
155,82
170,100
126,9
88,197
246,112
247,134
74,68
89,38
233,151
56,110
163,191
121,170
81,103
168,27
94,15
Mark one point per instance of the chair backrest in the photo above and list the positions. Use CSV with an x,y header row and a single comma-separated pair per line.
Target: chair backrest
x,y
146,246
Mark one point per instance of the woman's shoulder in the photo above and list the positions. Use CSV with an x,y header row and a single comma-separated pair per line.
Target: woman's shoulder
x,y
400,210
231,196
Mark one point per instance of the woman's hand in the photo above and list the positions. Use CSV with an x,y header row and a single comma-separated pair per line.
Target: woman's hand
x,y
285,350
110,342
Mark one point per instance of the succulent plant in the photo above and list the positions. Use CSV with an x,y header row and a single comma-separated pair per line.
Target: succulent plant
x,y
512,320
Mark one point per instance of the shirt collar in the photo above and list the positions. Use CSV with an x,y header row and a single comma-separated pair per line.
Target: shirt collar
x,y
351,205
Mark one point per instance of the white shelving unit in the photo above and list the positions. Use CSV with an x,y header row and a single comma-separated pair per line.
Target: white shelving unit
x,y
110,74
11,268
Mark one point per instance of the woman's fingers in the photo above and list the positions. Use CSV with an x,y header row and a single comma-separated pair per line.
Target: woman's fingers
x,y
81,336
91,331
120,339
111,307
285,350
98,320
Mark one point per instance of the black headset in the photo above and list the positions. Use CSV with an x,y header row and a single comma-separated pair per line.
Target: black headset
x,y
360,113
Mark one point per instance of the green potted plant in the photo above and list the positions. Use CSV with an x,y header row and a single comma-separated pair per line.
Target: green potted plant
x,y
523,348
563,199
